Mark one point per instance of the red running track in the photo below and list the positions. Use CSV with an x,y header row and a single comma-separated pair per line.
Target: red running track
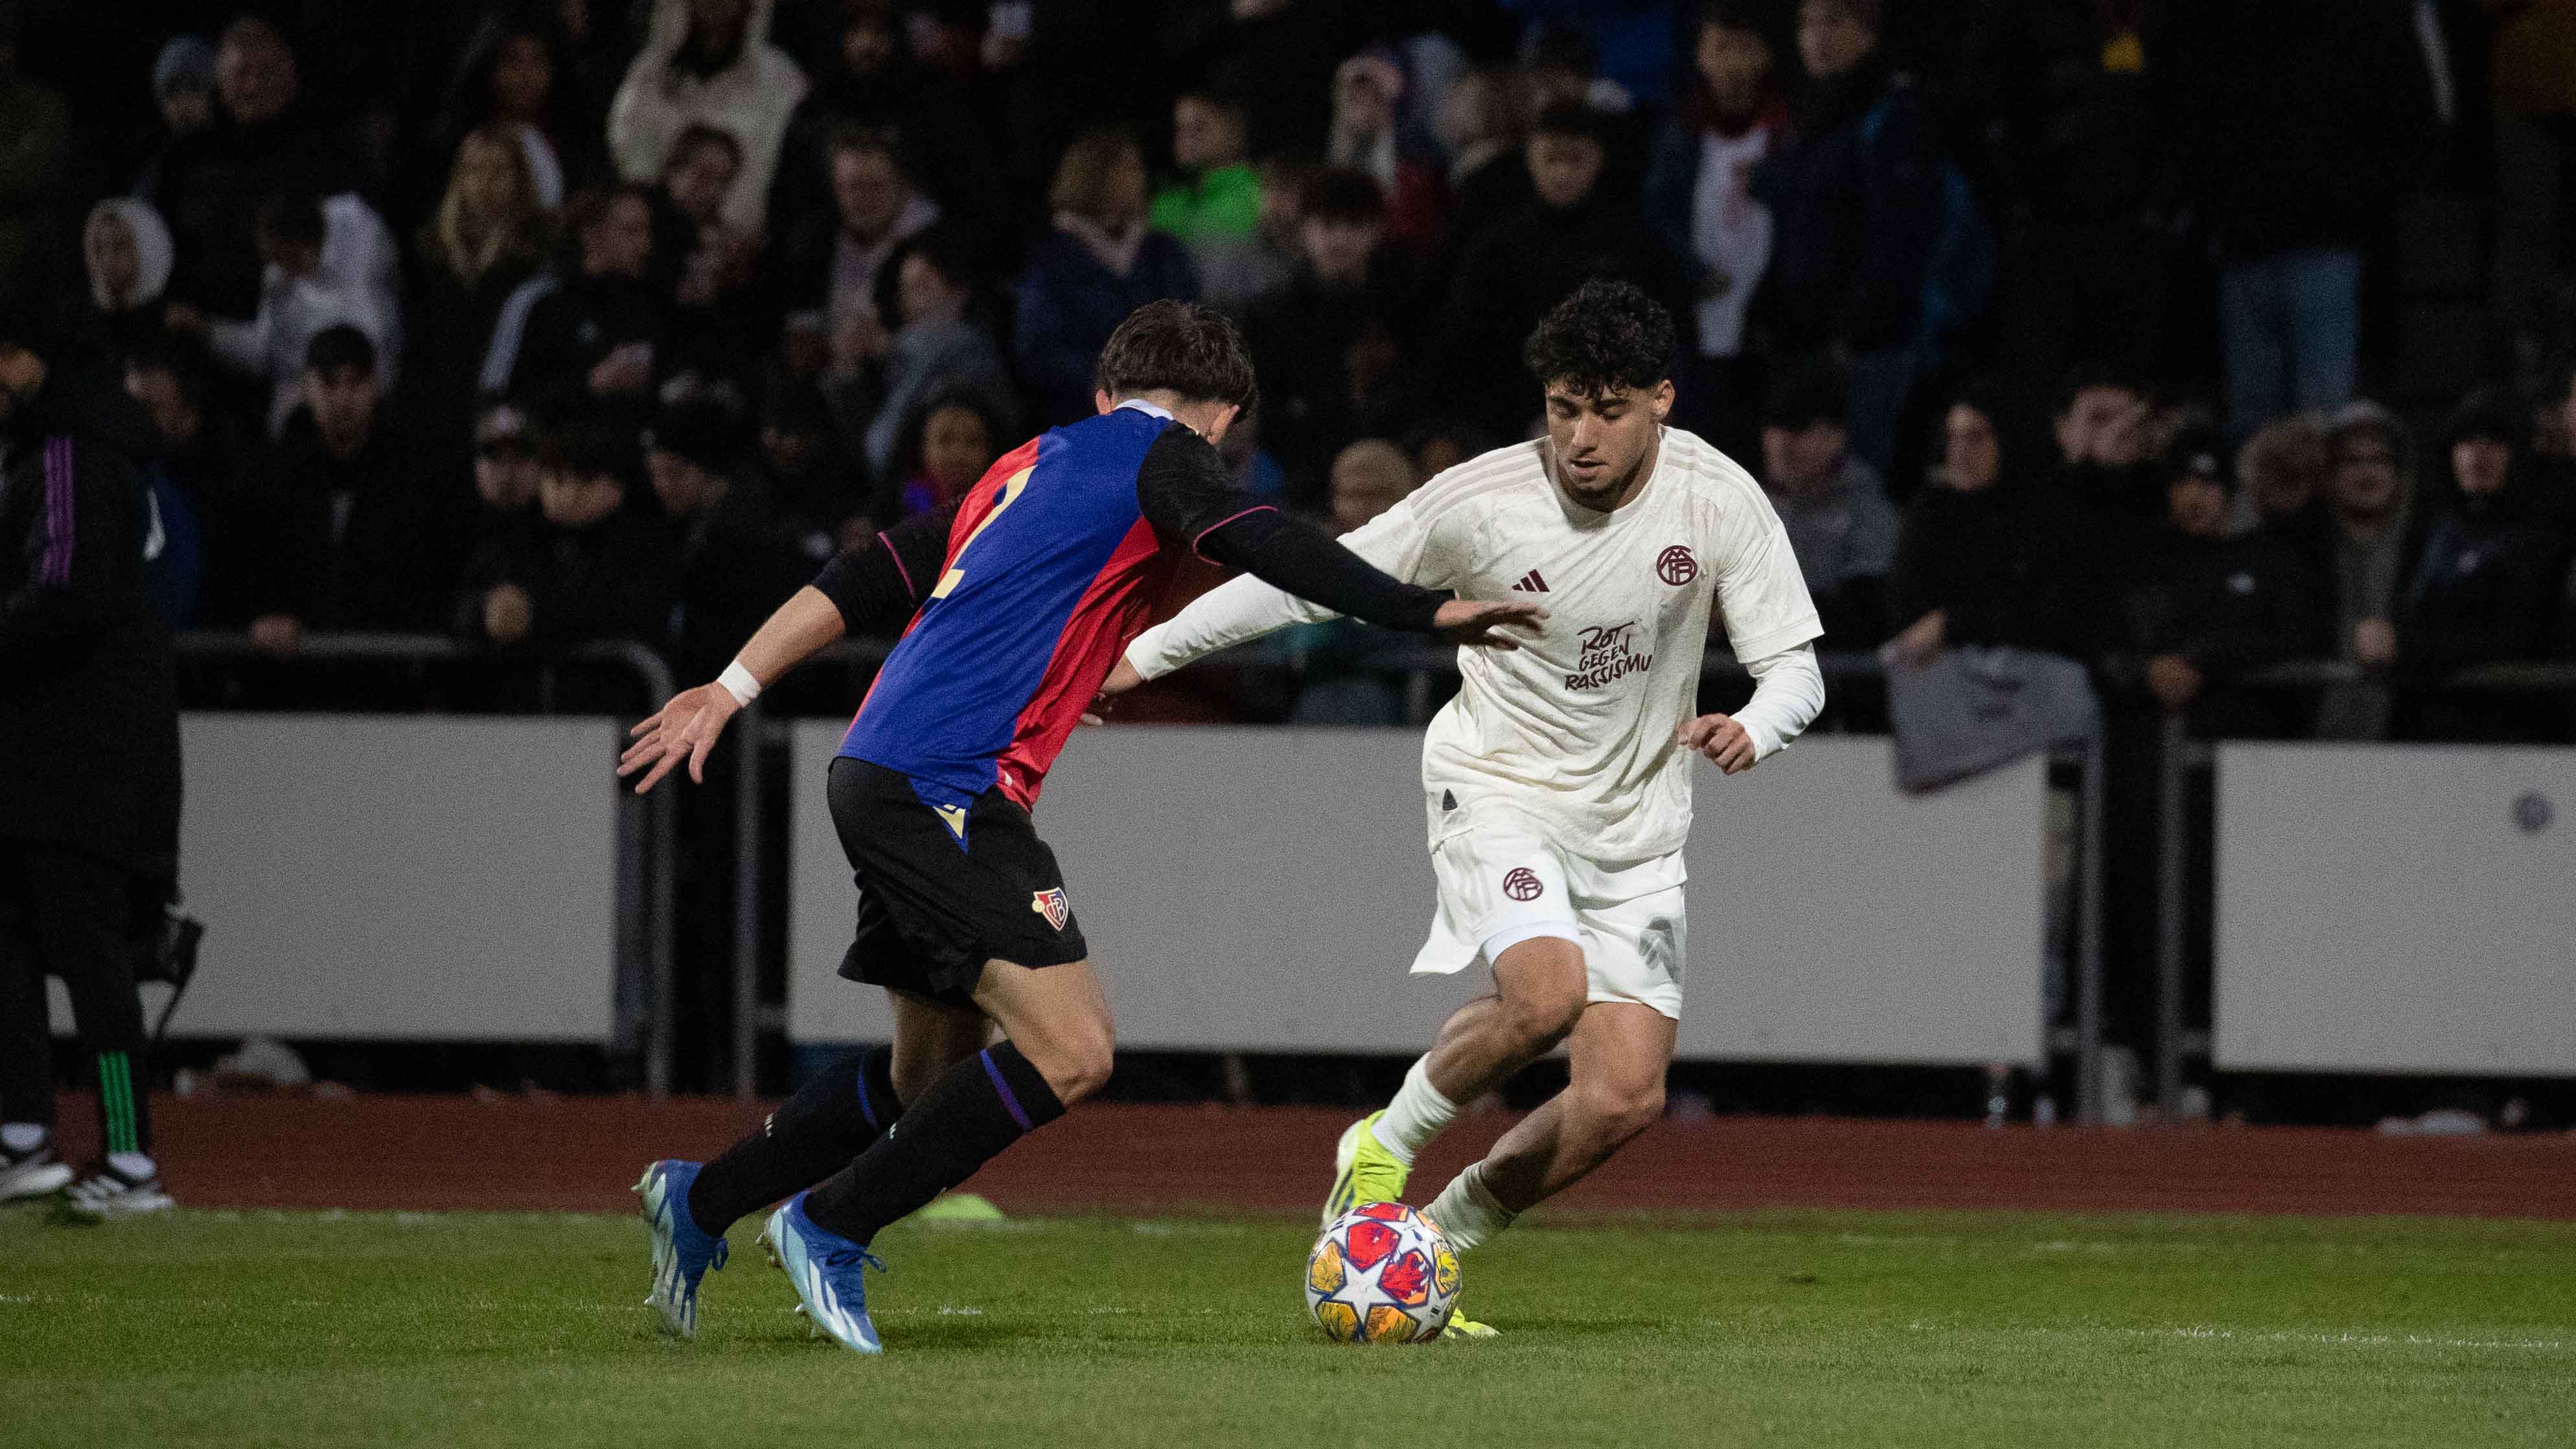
x,y
581,1153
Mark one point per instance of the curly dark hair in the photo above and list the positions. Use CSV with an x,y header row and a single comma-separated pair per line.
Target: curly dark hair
x,y
1607,337
1191,349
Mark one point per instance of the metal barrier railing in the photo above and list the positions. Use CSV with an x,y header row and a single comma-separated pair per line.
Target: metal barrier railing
x,y
2182,754
648,833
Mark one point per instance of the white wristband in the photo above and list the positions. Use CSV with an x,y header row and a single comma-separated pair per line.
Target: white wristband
x,y
739,683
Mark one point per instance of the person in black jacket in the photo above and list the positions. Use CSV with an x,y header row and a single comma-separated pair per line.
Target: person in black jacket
x,y
594,338
1988,556
738,560
2208,607
2485,584
602,570
89,796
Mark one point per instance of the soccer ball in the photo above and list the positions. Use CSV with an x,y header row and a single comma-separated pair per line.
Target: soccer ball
x,y
1382,1273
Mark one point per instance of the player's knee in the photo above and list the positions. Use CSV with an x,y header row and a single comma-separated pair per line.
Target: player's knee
x,y
1539,1019
1620,1112
1077,1062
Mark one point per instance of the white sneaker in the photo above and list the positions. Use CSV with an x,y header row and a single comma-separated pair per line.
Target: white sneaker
x,y
107,1195
35,1172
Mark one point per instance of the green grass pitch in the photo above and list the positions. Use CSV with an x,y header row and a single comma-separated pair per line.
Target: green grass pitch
x,y
1770,1328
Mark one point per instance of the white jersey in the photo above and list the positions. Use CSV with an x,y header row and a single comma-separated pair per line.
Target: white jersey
x,y
1572,733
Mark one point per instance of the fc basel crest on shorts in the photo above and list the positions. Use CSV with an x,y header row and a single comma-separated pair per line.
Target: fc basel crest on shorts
x,y
1051,904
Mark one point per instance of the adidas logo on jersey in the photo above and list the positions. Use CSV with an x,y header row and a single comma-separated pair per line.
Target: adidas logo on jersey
x,y
1531,583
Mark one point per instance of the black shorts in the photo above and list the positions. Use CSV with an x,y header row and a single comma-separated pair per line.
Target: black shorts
x,y
932,911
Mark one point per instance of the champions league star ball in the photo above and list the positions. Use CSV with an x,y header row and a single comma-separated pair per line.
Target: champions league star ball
x,y
1382,1273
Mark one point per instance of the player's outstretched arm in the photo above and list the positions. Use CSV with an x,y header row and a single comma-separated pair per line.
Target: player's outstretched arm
x,y
1788,693
872,589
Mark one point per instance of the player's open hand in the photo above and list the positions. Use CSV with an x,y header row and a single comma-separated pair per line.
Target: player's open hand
x,y
684,729
1482,625
1721,739
1122,678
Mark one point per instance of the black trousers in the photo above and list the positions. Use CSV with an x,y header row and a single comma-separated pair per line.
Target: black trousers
x,y
65,914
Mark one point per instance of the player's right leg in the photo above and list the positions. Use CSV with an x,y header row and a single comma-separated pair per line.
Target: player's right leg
x,y
1539,988
1058,1049
813,1134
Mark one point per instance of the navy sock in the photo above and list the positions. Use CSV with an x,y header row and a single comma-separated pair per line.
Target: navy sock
x,y
980,1106
812,1135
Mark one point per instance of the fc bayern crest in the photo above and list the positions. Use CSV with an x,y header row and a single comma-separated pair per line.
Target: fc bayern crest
x,y
1522,884
1675,566
1051,904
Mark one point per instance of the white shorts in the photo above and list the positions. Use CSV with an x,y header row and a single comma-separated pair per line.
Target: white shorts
x,y
1500,888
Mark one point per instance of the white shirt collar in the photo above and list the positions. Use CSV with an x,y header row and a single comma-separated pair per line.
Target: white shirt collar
x,y
1142,406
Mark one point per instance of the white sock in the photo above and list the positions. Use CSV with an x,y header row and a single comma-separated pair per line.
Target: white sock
x,y
1466,1213
1416,1115
22,1137
136,1166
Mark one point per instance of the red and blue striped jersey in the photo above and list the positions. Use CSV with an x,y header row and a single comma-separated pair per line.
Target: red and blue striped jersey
x,y
1054,565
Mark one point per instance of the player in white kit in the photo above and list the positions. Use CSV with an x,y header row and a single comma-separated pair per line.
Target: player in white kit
x,y
1557,782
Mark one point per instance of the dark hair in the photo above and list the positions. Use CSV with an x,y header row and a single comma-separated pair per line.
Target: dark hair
x,y
1608,336
1572,120
334,348
293,217
594,447
1807,391
1345,195
1186,348
695,135
2086,376
916,426
2017,435
1736,15
2488,412
864,140
950,252
1872,14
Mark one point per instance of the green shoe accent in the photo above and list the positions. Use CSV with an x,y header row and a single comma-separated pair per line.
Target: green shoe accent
x,y
1364,1170
960,1207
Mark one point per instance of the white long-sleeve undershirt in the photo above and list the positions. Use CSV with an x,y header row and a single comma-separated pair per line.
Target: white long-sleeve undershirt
x,y
1788,694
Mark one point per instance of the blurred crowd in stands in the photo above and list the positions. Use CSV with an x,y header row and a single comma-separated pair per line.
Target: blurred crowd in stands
x,y
2182,336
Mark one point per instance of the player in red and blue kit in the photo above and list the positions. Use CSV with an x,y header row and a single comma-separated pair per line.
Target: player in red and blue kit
x,y
1050,567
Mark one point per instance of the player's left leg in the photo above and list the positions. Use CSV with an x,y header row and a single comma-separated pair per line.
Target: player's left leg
x,y
28,1164
76,910
1615,1090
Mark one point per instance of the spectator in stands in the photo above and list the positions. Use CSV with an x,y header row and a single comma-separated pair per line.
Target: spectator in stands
x,y
831,270
487,239
2370,496
1699,191
808,470
708,62
1989,554
2290,217
871,82
34,163
1479,127
1344,669
1856,206
512,81
2283,468
210,185
301,295
688,206
1234,277
204,455
1524,265
2105,465
1440,444
1218,196
2208,607
364,533
592,336
1366,137
1833,504
126,247
506,475
1098,263
2485,585
1328,345
602,569
183,85
947,448
737,560
943,344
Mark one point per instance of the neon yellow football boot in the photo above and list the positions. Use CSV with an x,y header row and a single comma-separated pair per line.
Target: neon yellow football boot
x,y
1363,1170
1461,1328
